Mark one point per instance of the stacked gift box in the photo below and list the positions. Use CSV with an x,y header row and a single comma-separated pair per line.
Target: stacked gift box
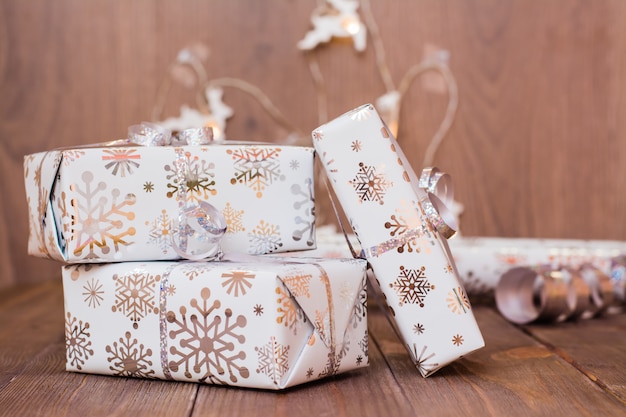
x,y
153,288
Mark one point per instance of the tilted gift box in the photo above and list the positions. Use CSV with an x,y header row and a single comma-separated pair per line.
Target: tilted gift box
x,y
409,258
107,204
270,323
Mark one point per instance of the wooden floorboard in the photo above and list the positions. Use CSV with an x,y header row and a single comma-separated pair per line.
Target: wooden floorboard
x,y
594,347
570,369
46,389
32,320
513,375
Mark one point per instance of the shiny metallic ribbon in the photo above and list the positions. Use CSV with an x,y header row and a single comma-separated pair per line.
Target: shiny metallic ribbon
x,y
618,277
435,193
205,215
602,294
439,196
525,294
152,134
210,224
163,289
545,293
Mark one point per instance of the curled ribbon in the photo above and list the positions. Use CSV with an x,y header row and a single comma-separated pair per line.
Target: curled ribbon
x,y
544,293
439,196
200,226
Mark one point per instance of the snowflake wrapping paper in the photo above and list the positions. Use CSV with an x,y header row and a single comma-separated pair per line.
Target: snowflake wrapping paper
x,y
418,278
270,323
111,204
481,261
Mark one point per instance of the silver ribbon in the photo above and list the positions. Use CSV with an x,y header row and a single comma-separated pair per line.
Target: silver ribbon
x,y
435,193
553,294
524,295
152,134
200,226
439,196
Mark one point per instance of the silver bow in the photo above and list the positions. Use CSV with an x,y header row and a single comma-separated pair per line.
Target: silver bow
x,y
152,134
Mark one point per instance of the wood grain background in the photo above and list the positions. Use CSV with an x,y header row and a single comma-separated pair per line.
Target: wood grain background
x,y
537,149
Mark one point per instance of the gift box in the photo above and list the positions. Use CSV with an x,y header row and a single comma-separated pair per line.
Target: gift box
x,y
104,204
399,232
266,322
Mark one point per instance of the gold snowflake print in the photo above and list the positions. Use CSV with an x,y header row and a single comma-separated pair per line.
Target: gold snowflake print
x,y
458,301
309,373
234,221
93,293
418,328
148,187
359,360
170,290
412,286
298,283
457,340
318,135
423,361
273,359
328,162
356,145
370,184
238,281
258,309
206,343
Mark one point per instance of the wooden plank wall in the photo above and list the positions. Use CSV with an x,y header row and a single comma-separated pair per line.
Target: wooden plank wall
x,y
537,149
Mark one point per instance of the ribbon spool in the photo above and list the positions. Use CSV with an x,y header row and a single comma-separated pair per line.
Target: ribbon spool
x,y
525,294
545,293
618,277
601,290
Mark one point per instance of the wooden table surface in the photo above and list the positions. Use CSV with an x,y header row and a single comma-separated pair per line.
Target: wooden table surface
x,y
569,369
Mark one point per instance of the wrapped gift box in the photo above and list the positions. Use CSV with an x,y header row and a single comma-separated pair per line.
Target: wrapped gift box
x,y
106,204
266,323
409,258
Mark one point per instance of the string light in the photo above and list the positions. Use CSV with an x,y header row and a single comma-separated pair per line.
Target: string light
x,y
335,19
211,111
218,114
389,103
331,19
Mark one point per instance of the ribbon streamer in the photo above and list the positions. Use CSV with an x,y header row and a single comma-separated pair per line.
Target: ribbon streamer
x,y
200,225
548,294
